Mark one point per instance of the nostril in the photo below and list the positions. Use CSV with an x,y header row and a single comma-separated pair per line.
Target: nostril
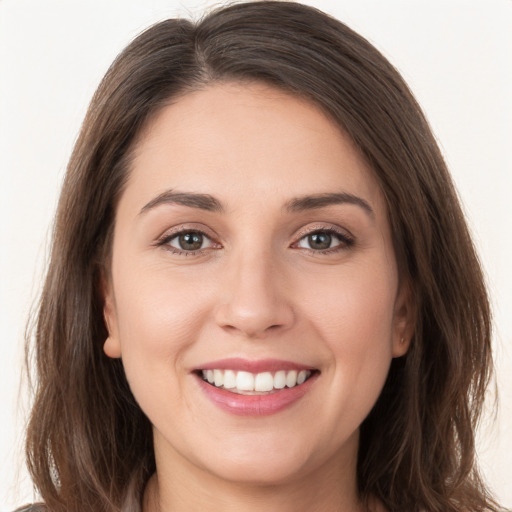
x,y
253,318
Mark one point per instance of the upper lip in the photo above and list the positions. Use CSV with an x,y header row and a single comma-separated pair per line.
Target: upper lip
x,y
253,366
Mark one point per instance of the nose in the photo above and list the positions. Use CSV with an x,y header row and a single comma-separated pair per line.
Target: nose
x,y
253,301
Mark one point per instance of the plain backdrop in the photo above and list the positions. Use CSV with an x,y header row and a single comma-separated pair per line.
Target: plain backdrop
x,y
455,54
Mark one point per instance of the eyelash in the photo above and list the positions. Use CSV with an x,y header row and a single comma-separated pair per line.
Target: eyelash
x,y
166,239
345,241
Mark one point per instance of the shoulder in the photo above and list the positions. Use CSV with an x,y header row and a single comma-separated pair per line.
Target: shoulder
x,y
38,507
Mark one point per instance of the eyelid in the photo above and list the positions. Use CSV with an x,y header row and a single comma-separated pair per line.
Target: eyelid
x,y
176,238
314,228
184,227
346,238
169,234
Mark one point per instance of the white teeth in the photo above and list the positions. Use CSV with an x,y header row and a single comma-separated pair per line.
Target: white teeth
x,y
218,378
245,381
280,379
229,379
259,382
291,379
264,382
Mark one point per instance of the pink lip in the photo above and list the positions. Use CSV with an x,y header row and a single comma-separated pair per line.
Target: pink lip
x,y
255,405
262,365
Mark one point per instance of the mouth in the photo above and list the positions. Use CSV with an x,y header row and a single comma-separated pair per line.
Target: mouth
x,y
255,388
262,383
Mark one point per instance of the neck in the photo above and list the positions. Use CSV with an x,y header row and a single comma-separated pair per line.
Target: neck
x,y
328,488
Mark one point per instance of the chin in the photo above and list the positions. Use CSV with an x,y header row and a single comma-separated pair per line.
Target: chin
x,y
266,460
273,470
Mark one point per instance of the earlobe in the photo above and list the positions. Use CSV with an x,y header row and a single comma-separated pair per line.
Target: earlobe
x,y
404,320
401,347
112,345
112,348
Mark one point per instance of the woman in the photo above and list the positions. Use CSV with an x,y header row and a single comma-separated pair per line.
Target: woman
x,y
262,291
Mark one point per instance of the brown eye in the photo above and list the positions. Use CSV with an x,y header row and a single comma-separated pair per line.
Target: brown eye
x,y
189,241
325,239
319,241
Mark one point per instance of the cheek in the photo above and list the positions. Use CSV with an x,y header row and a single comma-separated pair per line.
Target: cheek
x,y
164,304
353,315
355,306
158,320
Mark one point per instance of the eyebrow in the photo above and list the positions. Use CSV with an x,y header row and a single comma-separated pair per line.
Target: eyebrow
x,y
298,204
312,202
201,201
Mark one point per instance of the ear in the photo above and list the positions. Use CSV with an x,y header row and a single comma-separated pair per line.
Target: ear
x,y
404,320
112,345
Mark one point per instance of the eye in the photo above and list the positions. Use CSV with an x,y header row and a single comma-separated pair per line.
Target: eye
x,y
188,241
324,240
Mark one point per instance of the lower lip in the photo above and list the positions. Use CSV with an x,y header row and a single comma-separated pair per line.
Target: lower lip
x,y
256,405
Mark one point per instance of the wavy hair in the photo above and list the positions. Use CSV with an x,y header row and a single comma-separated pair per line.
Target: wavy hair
x,y
89,445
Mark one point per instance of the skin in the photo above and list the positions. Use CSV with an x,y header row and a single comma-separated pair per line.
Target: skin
x,y
256,290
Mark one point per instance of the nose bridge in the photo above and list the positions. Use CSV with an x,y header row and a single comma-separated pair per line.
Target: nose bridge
x,y
255,300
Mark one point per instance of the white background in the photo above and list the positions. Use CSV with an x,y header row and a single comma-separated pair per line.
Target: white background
x,y
455,54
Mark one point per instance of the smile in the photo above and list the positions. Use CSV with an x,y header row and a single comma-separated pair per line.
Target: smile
x,y
255,388
247,383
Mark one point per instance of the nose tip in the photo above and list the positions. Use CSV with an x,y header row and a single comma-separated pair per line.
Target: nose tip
x,y
255,304
251,322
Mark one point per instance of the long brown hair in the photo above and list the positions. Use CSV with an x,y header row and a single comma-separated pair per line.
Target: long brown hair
x,y
89,446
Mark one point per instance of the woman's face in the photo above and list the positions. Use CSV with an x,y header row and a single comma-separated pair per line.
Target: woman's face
x,y
252,248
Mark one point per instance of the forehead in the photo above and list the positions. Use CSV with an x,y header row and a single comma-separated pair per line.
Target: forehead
x,y
245,141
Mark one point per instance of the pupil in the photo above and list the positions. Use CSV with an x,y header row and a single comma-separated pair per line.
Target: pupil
x,y
191,241
320,241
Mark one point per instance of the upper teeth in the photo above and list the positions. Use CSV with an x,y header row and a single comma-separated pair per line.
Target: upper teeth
x,y
245,381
